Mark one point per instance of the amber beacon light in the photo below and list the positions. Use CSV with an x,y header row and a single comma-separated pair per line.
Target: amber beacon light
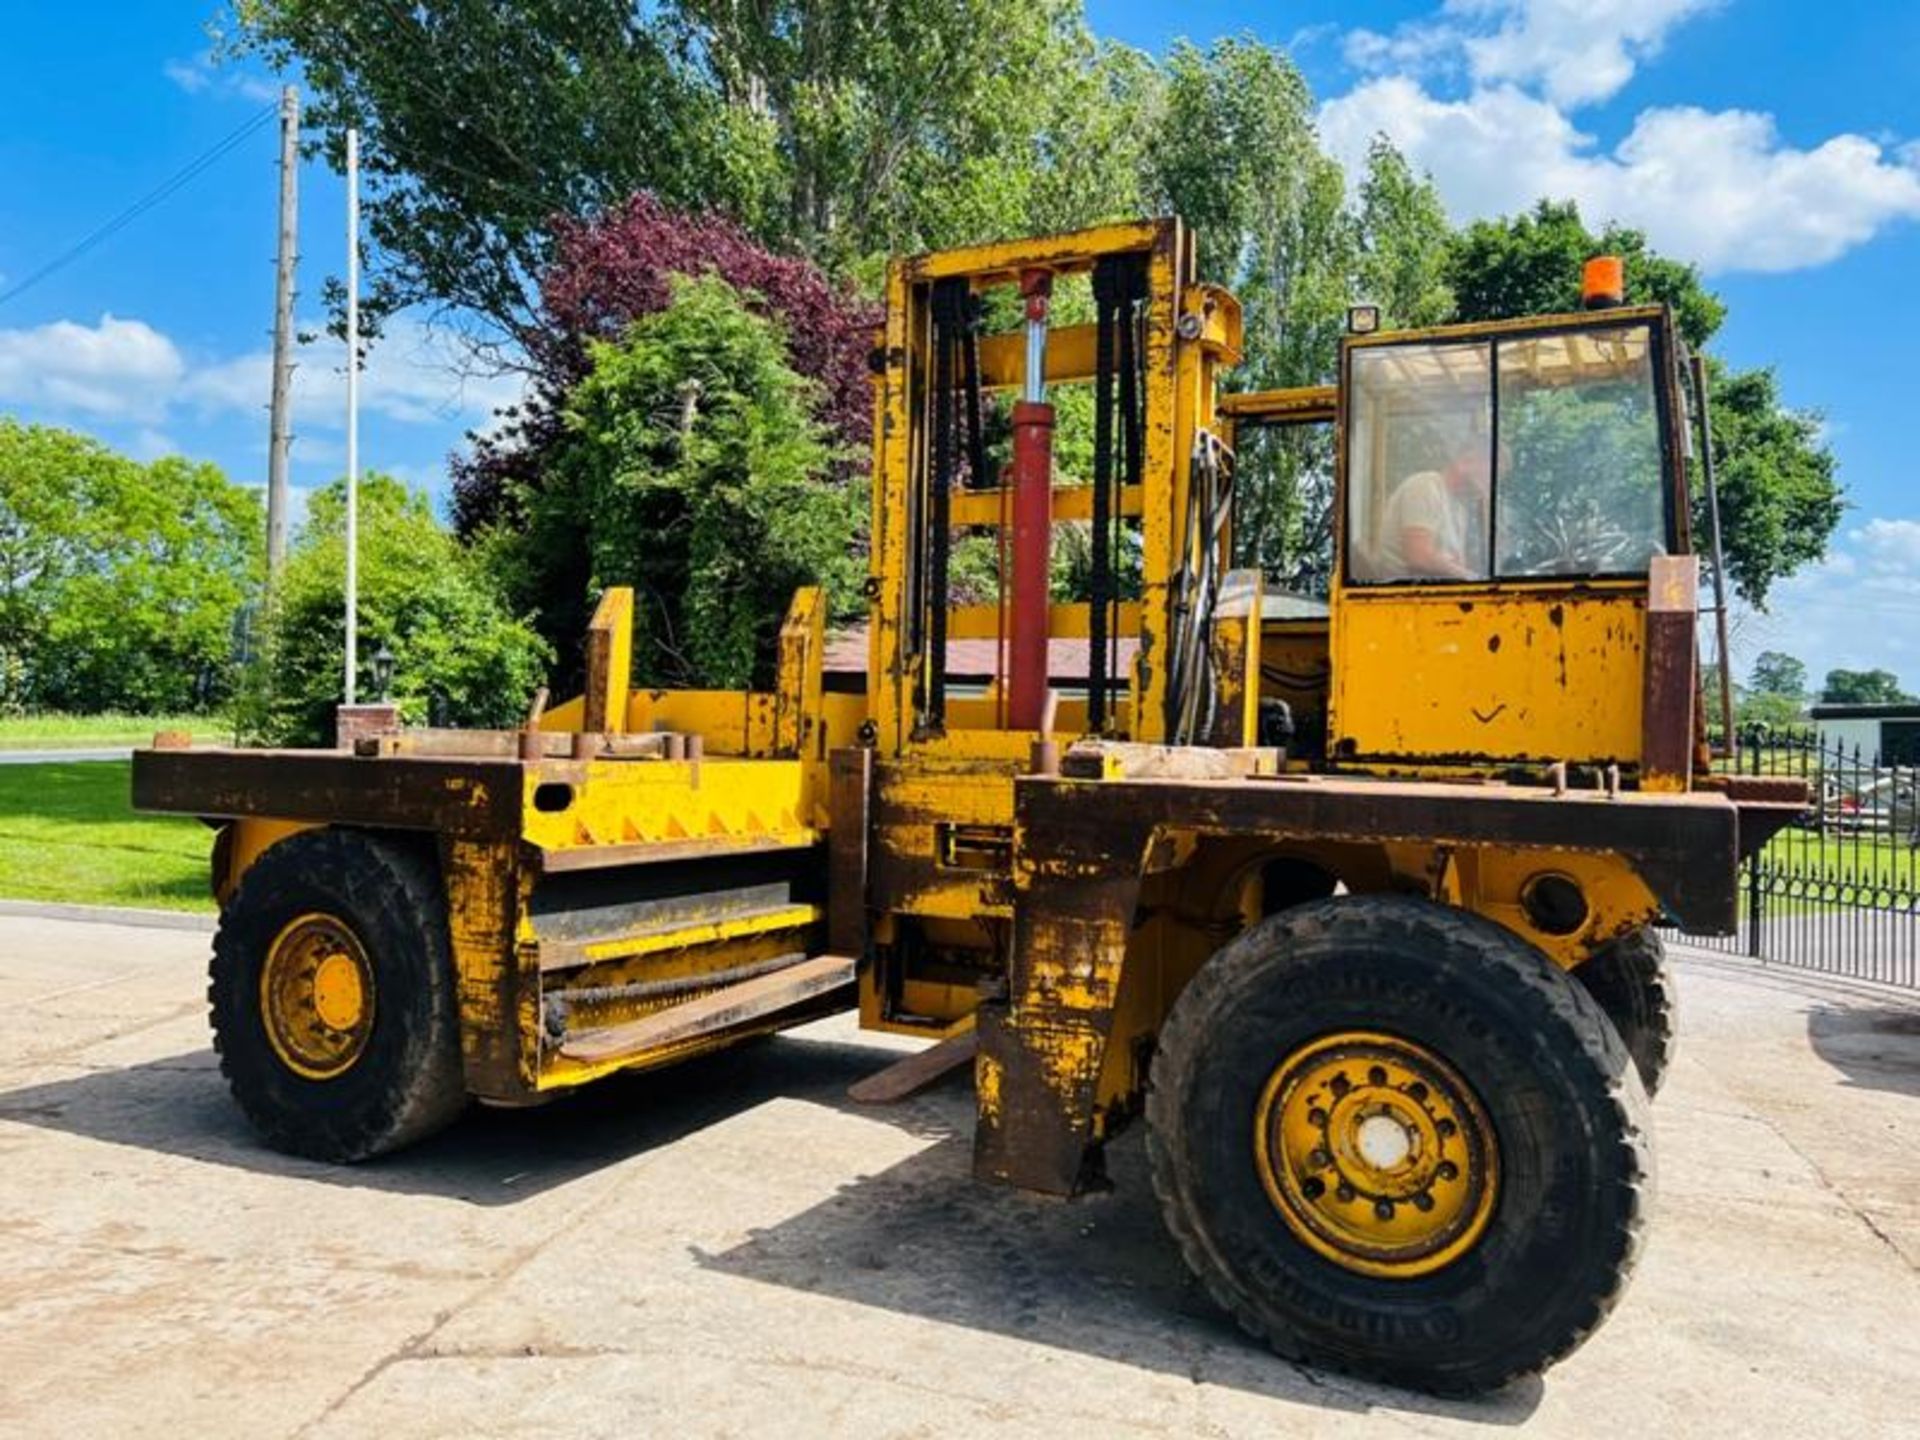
x,y
1603,284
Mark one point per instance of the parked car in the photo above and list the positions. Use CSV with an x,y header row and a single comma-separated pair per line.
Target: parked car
x,y
1889,805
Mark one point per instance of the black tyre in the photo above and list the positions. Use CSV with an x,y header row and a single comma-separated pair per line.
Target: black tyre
x,y
1632,982
332,997
1394,1139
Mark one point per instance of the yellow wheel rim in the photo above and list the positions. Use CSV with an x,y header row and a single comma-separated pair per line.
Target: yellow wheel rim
x,y
1376,1154
316,997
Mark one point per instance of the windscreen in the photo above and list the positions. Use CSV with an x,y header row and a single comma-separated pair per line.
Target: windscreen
x,y
1535,456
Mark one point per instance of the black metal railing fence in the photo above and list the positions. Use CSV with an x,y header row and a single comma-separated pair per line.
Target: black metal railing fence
x,y
1839,890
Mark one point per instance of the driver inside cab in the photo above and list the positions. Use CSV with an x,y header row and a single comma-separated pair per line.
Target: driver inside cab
x,y
1435,523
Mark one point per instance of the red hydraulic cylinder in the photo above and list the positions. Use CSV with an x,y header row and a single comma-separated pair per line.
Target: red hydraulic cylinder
x,y
1032,519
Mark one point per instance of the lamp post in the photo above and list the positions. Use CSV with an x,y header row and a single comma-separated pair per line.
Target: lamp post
x,y
383,674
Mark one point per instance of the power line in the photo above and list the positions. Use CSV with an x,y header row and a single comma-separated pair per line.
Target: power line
x,y
159,193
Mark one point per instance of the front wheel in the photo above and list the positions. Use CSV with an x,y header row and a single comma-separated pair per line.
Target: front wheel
x,y
1392,1138
332,997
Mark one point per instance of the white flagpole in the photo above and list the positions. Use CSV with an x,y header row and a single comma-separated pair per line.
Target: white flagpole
x,y
353,411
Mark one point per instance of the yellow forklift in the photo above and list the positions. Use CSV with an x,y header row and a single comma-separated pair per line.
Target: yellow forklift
x,y
1349,894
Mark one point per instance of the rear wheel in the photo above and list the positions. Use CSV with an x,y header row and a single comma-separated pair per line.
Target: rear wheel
x,y
332,997
1393,1138
1631,981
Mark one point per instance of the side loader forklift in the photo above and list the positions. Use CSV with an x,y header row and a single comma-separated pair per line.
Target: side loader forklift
x,y
1348,896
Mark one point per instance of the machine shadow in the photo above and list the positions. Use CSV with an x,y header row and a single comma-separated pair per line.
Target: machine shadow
x,y
1876,1047
1098,1276
179,1105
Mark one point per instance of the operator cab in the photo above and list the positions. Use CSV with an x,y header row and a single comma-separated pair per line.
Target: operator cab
x,y
1484,510
1536,456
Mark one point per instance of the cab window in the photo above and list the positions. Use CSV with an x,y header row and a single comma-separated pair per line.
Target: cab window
x,y
1419,466
1579,488
1535,456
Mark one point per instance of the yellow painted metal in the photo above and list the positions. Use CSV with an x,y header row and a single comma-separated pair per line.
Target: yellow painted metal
x,y
1452,675
1070,502
317,996
727,802
1070,252
701,933
609,661
1416,678
495,965
1301,405
1377,1154
1180,388
1485,675
1491,881
1235,645
803,645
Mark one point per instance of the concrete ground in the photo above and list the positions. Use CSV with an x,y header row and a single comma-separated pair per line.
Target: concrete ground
x,y
732,1248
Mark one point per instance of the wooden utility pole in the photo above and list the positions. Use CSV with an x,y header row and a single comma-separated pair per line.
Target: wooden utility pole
x,y
280,423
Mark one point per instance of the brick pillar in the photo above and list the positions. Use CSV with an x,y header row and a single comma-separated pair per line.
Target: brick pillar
x,y
352,722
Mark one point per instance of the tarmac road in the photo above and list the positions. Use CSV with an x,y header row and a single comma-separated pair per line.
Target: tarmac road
x,y
731,1248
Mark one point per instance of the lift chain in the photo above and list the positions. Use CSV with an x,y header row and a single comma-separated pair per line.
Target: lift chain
x,y
956,384
1119,287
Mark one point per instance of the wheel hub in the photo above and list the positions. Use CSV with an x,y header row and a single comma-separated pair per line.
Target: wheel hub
x,y
1376,1154
316,997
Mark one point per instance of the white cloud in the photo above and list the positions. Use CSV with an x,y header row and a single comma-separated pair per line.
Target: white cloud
x,y
200,75
1890,550
151,444
122,368
1721,188
413,374
126,370
1575,51
1871,575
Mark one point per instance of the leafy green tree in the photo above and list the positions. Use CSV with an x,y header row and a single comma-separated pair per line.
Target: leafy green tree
x,y
482,120
1530,264
118,581
1404,239
694,471
1768,709
1779,498
1777,673
845,128
899,125
1862,687
1776,691
1231,148
460,657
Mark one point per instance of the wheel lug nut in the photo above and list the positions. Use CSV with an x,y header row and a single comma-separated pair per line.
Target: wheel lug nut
x,y
1317,1117
1417,1090
1383,1209
1313,1188
1344,1193
1448,1170
1445,1128
1341,1085
1319,1159
1423,1201
1376,1076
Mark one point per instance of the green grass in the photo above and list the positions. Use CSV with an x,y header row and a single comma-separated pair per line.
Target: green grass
x,y
68,834
101,732
1859,865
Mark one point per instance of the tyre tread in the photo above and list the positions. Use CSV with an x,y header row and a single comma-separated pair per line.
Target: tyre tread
x,y
1365,919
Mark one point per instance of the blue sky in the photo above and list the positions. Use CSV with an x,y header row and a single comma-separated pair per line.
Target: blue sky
x,y
1782,155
